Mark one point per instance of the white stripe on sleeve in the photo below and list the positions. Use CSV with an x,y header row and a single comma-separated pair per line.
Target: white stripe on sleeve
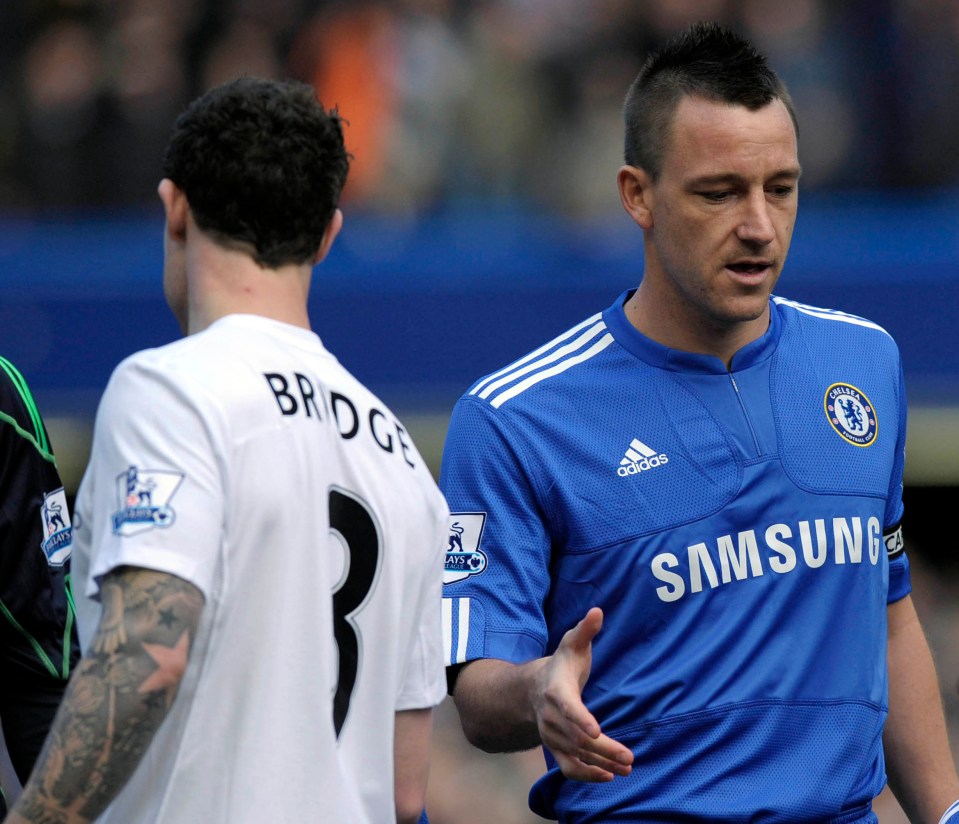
x,y
582,340
464,630
522,386
953,810
447,630
533,355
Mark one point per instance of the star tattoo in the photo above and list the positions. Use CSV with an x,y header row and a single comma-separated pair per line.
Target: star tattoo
x,y
171,663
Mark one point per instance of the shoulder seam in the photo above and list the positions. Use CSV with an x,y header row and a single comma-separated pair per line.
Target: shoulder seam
x,y
484,386
28,436
549,360
561,366
38,438
829,314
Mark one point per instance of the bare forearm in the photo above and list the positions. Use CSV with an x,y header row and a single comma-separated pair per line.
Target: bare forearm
x,y
507,707
919,763
412,735
118,697
494,702
97,739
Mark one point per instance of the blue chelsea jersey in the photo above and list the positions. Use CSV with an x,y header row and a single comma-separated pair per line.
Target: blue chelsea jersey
x,y
740,530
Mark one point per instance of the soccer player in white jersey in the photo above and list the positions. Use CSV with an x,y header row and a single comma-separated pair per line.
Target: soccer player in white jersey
x,y
675,556
259,543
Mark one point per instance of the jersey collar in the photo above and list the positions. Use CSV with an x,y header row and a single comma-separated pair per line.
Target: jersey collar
x,y
676,360
240,320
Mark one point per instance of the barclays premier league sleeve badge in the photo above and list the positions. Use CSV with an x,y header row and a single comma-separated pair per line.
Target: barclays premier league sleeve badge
x,y
144,496
463,555
57,532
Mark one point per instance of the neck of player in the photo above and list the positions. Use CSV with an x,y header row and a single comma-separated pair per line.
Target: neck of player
x,y
226,281
678,323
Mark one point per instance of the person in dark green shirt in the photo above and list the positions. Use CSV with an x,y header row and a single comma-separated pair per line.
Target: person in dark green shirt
x,y
38,639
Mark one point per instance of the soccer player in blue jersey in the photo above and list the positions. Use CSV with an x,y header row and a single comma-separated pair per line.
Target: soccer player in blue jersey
x,y
675,558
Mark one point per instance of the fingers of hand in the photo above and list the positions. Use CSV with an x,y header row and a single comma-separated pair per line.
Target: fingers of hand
x,y
578,771
601,760
581,755
581,636
563,709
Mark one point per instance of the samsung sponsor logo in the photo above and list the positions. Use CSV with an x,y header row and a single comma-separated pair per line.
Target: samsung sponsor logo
x,y
780,548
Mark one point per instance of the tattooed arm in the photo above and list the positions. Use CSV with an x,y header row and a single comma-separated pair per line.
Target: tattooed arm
x,y
117,698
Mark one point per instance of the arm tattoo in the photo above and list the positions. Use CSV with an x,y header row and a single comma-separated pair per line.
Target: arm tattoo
x,y
117,698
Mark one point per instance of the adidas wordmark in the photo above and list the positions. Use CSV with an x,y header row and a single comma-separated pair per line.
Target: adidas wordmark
x,y
639,458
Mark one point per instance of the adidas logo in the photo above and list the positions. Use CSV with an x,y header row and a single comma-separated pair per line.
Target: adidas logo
x,y
639,458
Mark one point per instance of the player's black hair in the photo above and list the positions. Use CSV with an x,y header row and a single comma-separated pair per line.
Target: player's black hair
x,y
262,164
706,60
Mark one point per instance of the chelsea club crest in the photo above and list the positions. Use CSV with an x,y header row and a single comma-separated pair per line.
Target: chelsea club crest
x,y
851,414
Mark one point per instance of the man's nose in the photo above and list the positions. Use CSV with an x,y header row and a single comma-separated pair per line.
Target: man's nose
x,y
756,224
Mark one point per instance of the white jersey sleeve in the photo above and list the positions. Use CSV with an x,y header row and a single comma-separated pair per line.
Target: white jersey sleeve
x,y
154,464
424,684
246,460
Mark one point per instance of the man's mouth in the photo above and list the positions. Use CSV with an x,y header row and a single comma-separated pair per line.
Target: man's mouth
x,y
749,267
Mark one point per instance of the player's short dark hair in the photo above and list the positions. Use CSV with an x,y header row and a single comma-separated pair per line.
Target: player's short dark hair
x,y
706,60
262,164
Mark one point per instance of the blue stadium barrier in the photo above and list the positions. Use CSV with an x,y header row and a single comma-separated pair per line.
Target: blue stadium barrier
x,y
419,309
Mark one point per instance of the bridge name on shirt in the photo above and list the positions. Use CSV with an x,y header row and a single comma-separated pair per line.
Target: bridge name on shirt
x,y
780,548
298,395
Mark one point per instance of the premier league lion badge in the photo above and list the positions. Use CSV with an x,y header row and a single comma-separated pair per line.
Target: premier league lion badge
x,y
851,414
463,555
145,499
57,531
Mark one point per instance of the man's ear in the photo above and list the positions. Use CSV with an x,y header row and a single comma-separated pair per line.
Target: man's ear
x,y
636,193
176,207
332,230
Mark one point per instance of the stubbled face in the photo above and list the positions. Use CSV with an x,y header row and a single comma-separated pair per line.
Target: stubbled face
x,y
721,216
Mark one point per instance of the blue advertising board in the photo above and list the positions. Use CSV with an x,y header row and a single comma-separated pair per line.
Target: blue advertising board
x,y
418,309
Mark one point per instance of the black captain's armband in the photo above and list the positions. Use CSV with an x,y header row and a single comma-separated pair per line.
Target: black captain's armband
x,y
452,673
892,537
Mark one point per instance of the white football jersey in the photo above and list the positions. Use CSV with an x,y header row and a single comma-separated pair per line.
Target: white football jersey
x,y
246,460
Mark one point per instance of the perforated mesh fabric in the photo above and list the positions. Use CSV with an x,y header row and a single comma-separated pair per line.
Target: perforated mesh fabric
x,y
619,480
734,776
612,400
863,357
490,476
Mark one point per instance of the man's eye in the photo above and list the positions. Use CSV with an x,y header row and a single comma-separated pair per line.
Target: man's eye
x,y
716,197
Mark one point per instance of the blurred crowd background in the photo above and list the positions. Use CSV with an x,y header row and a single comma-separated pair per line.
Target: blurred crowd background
x,y
467,108
454,104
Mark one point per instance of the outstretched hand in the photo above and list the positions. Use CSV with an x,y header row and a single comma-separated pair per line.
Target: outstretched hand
x,y
566,727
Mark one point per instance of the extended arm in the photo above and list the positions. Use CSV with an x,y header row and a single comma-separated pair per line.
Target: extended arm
x,y
507,707
117,698
411,762
919,763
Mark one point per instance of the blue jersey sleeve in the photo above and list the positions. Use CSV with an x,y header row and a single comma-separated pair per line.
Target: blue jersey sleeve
x,y
497,564
951,816
900,583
